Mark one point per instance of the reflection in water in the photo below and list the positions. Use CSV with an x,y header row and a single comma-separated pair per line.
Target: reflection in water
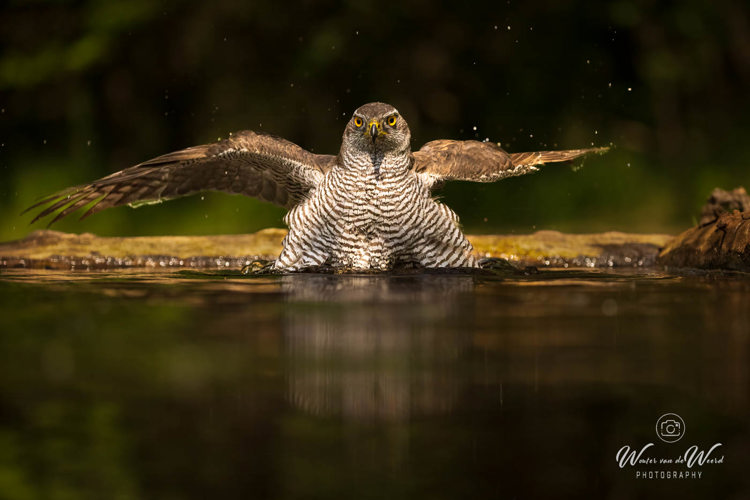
x,y
380,355
200,385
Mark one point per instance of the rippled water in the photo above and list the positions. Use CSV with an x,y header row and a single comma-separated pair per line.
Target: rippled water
x,y
215,385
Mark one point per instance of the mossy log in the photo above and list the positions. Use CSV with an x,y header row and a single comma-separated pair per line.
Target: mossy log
x,y
56,250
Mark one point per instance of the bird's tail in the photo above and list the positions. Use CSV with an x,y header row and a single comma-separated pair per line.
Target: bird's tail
x,y
542,157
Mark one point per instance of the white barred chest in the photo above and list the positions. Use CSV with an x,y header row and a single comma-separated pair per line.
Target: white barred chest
x,y
361,218
370,220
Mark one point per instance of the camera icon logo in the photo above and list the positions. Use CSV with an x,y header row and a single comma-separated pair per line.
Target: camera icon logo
x,y
670,427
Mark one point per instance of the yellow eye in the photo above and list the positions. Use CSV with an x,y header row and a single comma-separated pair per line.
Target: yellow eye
x,y
391,120
358,121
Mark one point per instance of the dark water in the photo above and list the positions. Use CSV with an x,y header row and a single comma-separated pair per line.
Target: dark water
x,y
207,385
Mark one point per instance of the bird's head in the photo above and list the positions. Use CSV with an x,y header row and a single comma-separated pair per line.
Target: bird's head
x,y
377,128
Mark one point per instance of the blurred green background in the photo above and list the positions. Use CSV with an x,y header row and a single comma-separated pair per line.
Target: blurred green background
x,y
90,87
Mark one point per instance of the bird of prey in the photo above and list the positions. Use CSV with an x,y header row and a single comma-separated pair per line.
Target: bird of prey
x,y
368,208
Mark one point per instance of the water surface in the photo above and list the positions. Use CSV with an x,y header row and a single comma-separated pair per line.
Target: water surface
x,y
182,384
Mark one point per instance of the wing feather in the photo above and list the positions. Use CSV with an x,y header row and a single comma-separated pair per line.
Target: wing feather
x,y
444,160
248,163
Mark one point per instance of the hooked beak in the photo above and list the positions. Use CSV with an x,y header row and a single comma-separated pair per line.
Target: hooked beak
x,y
374,130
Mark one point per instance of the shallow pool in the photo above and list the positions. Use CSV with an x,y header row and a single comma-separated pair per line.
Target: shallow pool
x,y
182,384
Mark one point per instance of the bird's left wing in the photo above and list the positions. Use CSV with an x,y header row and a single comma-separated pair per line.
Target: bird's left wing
x,y
444,159
248,163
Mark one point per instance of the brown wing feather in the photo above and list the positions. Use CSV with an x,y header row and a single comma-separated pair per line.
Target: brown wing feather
x,y
542,157
476,161
467,160
252,164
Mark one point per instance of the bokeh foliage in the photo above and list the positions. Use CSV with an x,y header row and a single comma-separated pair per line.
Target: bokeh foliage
x,y
89,87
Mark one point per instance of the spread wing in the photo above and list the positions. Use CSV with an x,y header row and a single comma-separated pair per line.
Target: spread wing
x,y
476,161
249,163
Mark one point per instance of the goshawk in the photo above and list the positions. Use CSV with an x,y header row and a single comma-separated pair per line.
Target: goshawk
x,y
369,207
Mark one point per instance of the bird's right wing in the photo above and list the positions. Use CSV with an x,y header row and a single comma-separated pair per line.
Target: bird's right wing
x,y
248,163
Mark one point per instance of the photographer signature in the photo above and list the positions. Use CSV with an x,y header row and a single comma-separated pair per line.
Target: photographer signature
x,y
692,456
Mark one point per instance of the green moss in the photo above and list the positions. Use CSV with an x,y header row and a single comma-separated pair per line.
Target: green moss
x,y
545,247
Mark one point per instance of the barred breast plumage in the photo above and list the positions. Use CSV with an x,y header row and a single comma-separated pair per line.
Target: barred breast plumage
x,y
360,219
369,207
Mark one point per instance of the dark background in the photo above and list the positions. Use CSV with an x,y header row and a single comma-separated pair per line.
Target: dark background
x,y
87,88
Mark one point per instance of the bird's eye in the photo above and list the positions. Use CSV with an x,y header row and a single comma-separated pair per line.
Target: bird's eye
x,y
391,120
358,121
